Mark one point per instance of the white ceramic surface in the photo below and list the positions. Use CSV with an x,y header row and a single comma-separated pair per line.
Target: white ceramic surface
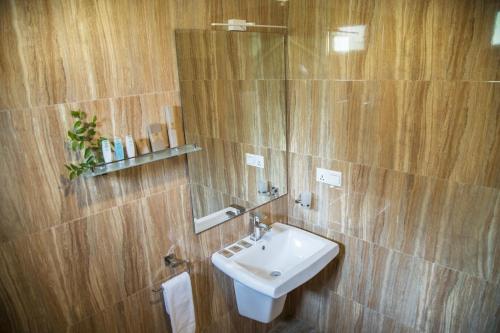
x,y
296,254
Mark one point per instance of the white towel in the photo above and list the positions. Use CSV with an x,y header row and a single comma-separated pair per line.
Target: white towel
x,y
178,297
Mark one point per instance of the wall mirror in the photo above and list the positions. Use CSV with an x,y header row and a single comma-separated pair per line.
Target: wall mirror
x,y
233,95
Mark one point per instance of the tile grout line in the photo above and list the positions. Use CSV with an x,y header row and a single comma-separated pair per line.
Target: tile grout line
x,y
88,100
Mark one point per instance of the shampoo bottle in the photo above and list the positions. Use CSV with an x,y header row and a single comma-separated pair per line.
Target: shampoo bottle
x,y
119,154
106,151
130,146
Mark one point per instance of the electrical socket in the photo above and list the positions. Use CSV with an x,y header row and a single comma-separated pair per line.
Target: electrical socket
x,y
330,177
255,160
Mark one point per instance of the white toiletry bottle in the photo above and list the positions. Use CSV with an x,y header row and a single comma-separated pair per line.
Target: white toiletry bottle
x,y
130,146
106,151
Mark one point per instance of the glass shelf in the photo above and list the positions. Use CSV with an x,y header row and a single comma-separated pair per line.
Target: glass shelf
x,y
103,169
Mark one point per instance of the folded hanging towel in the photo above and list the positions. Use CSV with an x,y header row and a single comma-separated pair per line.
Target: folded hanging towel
x,y
178,297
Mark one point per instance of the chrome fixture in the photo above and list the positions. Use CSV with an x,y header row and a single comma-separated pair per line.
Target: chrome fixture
x,y
259,229
241,25
304,199
171,261
263,189
239,209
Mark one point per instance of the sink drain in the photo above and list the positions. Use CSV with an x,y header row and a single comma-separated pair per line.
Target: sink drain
x,y
275,273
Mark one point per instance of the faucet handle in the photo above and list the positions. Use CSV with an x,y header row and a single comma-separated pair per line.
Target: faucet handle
x,y
264,226
256,218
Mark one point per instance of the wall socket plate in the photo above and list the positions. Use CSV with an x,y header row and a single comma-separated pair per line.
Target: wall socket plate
x,y
330,177
255,160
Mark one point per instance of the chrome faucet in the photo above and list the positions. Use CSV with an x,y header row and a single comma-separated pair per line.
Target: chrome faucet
x,y
259,229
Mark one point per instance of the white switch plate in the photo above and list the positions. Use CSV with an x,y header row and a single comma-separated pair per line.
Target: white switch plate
x,y
255,160
330,177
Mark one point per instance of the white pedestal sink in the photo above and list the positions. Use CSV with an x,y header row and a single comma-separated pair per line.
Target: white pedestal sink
x,y
265,271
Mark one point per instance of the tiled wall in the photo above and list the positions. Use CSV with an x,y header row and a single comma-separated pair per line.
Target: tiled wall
x,y
412,122
84,256
233,96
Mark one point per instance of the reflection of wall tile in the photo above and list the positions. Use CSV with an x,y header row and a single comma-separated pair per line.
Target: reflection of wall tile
x,y
240,111
222,55
233,95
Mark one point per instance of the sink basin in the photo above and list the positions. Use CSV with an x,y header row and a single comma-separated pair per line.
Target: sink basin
x,y
265,271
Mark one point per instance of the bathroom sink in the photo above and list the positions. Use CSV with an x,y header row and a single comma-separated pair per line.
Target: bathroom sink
x,y
264,271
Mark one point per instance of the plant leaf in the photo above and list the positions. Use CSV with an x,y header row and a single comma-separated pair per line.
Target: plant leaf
x,y
80,130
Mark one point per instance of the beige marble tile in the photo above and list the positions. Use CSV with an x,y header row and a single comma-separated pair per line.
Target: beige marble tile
x,y
467,52
117,49
457,302
222,55
34,146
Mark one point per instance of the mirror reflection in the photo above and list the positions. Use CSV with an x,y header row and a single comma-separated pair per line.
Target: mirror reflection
x,y
233,95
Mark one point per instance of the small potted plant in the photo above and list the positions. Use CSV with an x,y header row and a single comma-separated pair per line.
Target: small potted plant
x,y
84,141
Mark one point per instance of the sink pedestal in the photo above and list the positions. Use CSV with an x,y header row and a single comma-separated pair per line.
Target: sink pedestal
x,y
257,306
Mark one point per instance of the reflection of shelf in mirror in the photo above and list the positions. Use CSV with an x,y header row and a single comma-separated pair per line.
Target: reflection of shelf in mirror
x,y
103,169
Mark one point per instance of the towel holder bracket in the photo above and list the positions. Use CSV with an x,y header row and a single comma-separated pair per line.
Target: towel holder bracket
x,y
171,261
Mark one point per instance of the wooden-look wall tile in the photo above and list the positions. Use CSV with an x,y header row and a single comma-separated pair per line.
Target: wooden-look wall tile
x,y
260,11
164,222
412,291
456,302
138,313
308,41
329,312
383,50
463,130
248,111
328,204
439,129
118,49
412,214
467,52
199,108
274,173
390,283
34,146
398,56
13,92
207,200
222,55
76,290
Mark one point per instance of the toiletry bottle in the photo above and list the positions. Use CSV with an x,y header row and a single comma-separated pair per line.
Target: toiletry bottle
x,y
175,129
106,151
119,154
158,137
143,146
130,146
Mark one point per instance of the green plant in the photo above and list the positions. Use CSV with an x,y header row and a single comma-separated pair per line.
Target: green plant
x,y
83,141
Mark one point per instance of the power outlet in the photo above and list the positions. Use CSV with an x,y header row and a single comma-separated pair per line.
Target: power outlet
x,y
330,177
255,160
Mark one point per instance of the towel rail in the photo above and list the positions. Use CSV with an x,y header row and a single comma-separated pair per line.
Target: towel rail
x,y
172,262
